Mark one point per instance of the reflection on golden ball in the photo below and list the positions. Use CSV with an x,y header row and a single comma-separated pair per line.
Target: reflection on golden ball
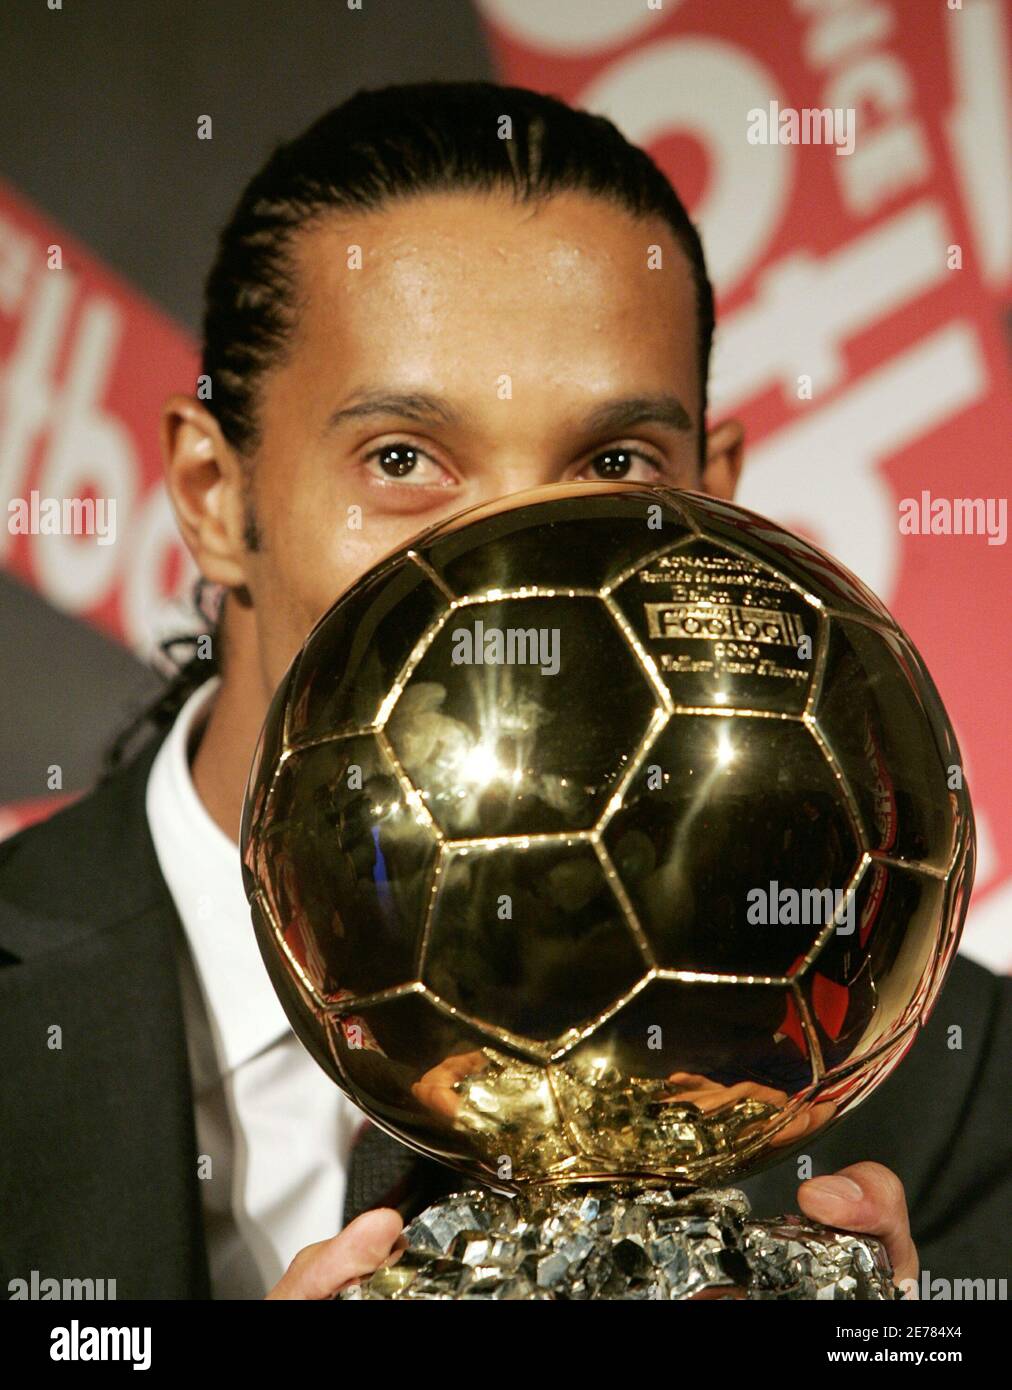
x,y
607,831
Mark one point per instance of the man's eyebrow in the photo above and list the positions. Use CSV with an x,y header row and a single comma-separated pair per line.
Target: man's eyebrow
x,y
612,417
615,417
412,405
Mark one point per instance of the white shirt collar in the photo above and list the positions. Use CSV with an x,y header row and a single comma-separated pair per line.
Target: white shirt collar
x,y
200,864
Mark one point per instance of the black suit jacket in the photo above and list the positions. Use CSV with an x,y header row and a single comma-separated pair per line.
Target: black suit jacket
x,y
98,1154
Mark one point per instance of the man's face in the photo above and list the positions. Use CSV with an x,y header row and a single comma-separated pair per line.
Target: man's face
x,y
475,345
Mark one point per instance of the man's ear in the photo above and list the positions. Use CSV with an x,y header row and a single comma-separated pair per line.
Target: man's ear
x,y
204,479
725,454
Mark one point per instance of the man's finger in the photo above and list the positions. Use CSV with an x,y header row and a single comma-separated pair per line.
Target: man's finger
x,y
320,1270
866,1197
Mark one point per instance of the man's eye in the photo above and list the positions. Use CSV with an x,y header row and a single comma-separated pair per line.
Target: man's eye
x,y
619,465
402,463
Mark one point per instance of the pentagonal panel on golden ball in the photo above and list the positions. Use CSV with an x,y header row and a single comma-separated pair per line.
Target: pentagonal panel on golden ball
x,y
791,555
353,656
267,755
931,704
847,1086
407,1064
581,537
286,958
521,716
867,981
959,885
684,1076
345,864
733,843
529,938
723,631
877,719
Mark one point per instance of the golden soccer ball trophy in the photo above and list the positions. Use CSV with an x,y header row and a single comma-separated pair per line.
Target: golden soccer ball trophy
x,y
607,843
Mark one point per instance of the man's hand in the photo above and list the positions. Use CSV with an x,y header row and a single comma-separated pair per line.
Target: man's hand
x,y
866,1198
320,1270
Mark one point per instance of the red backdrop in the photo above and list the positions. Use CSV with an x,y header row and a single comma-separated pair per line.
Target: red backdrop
x,y
834,267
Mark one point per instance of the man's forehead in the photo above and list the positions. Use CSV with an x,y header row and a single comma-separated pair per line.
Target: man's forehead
x,y
388,304
572,239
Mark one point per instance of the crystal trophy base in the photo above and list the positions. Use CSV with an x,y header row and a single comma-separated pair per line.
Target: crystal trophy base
x,y
616,1242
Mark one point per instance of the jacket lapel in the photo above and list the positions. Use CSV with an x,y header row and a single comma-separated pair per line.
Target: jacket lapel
x,y
98,1170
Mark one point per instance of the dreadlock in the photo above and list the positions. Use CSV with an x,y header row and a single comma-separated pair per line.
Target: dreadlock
x,y
184,674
